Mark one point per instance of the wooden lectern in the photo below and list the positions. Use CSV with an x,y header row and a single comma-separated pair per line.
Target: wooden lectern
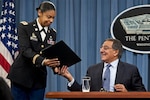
x,y
99,95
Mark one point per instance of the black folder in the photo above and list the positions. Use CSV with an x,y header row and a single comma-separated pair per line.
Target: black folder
x,y
63,52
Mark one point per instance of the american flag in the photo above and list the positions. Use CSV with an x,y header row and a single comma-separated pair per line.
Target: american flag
x,y
8,38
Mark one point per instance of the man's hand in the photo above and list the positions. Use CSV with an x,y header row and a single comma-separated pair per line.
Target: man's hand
x,y
120,88
65,73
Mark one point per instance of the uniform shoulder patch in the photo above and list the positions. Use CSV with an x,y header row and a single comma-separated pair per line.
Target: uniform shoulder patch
x,y
24,23
53,29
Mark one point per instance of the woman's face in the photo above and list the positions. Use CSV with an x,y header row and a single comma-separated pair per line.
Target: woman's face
x,y
47,17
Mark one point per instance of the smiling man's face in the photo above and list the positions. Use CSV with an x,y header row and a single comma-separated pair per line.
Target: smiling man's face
x,y
108,54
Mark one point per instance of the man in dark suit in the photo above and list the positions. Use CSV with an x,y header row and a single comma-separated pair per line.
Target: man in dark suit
x,y
123,76
28,72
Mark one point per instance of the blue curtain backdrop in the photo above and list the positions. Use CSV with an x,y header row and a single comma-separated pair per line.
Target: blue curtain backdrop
x,y
84,25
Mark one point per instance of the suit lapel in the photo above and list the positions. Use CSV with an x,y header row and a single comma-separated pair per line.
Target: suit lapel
x,y
100,79
119,74
101,71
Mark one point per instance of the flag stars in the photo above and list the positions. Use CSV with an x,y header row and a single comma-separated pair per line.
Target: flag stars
x,y
9,19
16,38
6,4
4,20
15,30
9,35
11,4
9,43
14,45
5,12
9,28
4,27
3,36
12,12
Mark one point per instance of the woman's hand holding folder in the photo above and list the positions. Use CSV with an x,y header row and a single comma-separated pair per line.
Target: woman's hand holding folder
x,y
54,62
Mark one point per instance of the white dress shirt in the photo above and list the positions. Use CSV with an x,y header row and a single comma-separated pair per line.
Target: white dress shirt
x,y
43,34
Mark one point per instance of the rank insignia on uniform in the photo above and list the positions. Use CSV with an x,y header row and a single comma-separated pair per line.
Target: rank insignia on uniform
x,y
33,37
24,23
50,41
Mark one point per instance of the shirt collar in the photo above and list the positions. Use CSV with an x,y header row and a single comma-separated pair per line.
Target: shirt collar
x,y
40,27
113,64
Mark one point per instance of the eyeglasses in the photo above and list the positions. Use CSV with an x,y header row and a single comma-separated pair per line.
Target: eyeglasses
x,y
106,47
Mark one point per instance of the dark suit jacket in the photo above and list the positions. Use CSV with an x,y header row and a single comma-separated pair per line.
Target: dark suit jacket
x,y
23,72
127,74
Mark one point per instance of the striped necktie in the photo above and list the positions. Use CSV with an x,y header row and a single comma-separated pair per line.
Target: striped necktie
x,y
106,80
